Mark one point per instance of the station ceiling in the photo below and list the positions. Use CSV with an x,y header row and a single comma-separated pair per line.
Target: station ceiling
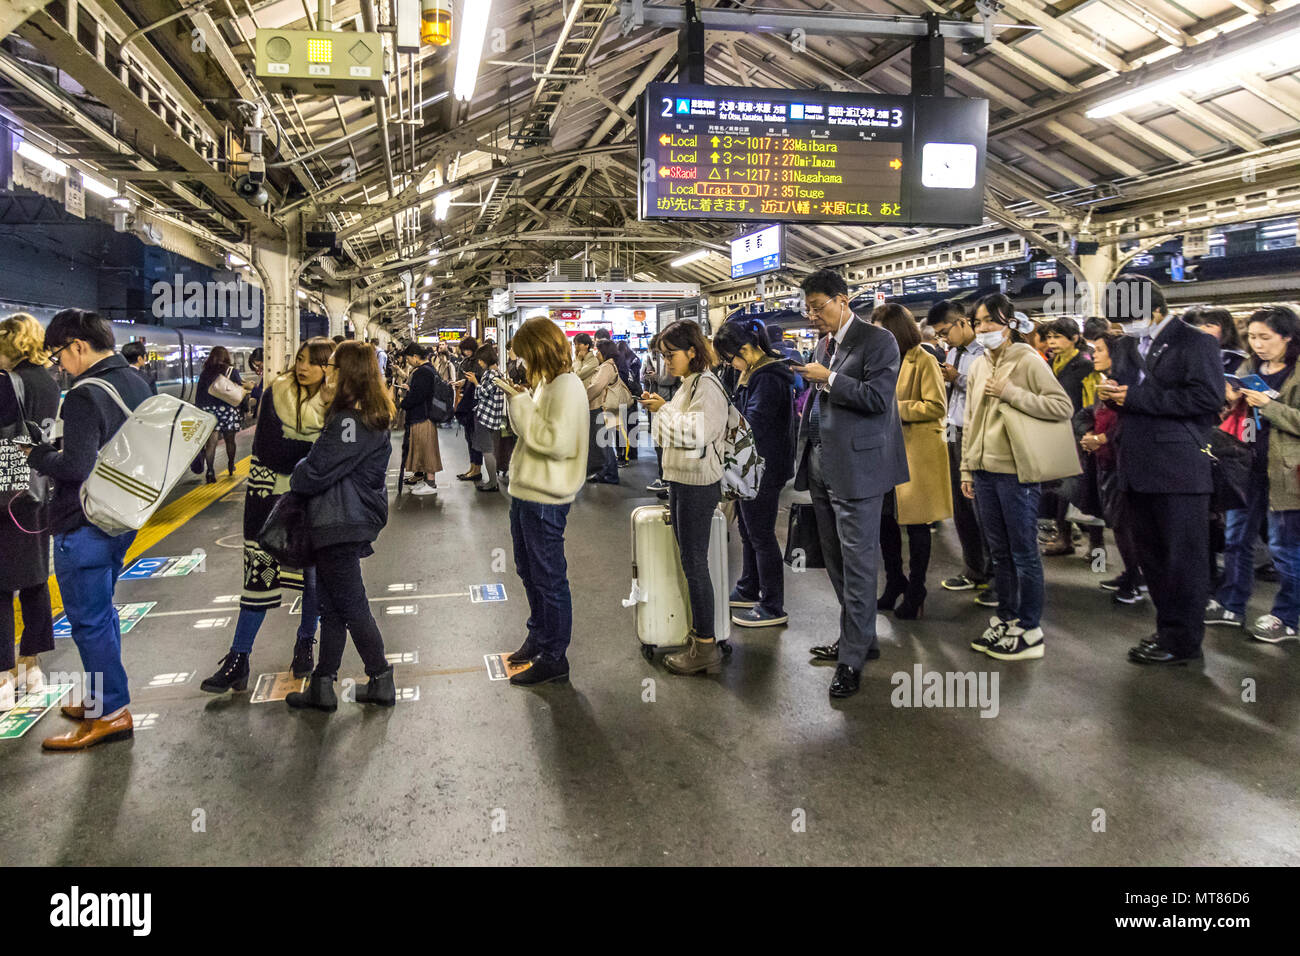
x,y
543,159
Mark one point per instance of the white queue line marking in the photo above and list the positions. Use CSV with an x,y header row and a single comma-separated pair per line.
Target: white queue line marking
x,y
373,600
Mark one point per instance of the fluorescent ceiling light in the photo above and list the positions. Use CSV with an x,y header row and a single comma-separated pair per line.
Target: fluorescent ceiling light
x,y
473,31
97,187
235,260
690,257
441,203
1272,54
301,294
428,280
41,158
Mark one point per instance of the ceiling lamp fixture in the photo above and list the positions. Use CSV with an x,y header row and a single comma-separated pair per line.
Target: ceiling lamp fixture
x,y
690,257
470,51
41,158
97,187
1208,73
435,22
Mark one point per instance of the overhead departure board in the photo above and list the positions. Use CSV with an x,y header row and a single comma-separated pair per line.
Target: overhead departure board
x,y
739,153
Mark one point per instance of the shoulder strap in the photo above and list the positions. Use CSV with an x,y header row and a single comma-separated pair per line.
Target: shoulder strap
x,y
108,387
20,394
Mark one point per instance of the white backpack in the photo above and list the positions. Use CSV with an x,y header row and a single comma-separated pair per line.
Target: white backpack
x,y
742,465
143,461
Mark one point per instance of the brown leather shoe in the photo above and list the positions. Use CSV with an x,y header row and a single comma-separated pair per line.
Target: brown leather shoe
x,y
75,711
91,732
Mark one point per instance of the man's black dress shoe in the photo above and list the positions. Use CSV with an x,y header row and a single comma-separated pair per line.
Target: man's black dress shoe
x,y
831,652
845,682
1155,654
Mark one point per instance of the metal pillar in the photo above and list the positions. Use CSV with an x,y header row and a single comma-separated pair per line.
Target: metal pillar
x,y
690,47
927,60
277,265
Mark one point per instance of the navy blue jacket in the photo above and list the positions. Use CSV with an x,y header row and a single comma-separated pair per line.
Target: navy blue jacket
x,y
1165,420
344,477
90,418
767,402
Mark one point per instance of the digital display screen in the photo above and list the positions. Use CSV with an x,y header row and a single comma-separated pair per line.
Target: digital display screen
x,y
756,253
739,153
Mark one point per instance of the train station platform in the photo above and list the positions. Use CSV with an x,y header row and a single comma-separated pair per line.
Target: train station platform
x,y
1080,758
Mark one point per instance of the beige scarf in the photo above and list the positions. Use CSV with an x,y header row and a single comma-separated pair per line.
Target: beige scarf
x,y
300,423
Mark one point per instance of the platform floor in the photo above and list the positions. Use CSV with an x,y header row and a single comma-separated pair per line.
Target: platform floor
x,y
753,767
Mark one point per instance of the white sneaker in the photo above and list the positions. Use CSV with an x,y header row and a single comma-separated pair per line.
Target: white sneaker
x,y
1017,644
1217,614
1270,629
992,634
7,697
31,679
424,488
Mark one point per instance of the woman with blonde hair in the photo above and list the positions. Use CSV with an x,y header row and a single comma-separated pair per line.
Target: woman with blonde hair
x,y
289,421
29,397
548,468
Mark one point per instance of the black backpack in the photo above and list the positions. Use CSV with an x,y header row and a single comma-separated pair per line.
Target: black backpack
x,y
442,403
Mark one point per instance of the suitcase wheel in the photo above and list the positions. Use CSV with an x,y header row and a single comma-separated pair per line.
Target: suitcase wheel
x,y
725,647
648,652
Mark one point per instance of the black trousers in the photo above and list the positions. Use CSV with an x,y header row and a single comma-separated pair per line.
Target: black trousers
x,y
38,624
1172,535
691,508
1113,504
891,551
343,608
974,554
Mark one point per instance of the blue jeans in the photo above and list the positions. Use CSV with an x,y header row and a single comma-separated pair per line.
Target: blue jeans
x,y
250,620
1243,526
538,534
1008,516
87,562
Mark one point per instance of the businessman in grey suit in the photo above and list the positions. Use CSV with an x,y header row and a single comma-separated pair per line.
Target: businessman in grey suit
x,y
849,456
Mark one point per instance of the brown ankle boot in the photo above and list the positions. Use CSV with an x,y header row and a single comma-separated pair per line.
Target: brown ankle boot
x,y
698,656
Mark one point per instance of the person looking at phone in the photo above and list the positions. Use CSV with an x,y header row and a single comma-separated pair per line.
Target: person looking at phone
x,y
489,410
1166,405
951,325
690,428
1267,388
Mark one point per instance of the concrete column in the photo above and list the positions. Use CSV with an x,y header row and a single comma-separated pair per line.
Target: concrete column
x,y
1090,274
336,310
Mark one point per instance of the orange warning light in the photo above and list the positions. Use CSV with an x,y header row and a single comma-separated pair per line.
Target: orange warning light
x,y
895,164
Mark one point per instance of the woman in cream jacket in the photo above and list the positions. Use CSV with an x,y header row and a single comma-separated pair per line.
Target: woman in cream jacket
x,y
1009,373
546,471
689,429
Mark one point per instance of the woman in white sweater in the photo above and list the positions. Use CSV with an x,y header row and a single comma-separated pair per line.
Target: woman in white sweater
x,y
548,468
690,429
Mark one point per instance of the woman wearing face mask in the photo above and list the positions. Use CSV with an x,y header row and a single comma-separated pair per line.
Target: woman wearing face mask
x,y
689,429
765,396
1274,337
1009,372
289,421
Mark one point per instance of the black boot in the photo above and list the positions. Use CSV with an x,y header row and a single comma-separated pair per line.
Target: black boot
x,y
527,651
379,690
319,694
913,604
894,588
232,675
303,664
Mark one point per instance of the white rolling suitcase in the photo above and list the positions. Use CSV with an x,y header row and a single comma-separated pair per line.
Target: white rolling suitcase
x,y
659,600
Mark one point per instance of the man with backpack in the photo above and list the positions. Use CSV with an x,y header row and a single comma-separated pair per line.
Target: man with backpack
x,y
88,560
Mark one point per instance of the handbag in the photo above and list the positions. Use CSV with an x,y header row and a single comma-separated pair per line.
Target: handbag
x,y
802,538
617,396
224,388
1043,450
1231,460
286,533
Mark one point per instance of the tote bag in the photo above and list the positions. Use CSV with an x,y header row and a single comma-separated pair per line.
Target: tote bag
x,y
1043,450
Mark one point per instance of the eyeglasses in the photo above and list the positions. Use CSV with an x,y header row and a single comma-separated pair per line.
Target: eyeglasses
x,y
54,356
818,309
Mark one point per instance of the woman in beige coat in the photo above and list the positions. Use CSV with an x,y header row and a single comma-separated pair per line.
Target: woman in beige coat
x,y
604,425
927,496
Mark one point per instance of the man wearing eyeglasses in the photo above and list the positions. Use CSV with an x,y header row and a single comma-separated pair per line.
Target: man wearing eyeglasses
x,y
88,560
849,456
